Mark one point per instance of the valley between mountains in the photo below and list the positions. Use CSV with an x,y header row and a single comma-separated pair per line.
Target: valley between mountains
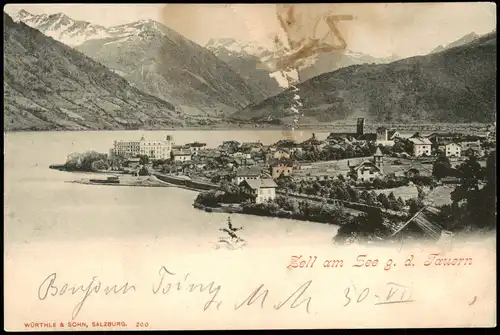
x,y
65,74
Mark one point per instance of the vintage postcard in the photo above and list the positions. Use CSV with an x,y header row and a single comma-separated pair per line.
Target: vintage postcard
x,y
249,166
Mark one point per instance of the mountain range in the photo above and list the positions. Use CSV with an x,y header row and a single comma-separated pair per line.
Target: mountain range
x,y
455,85
247,59
50,86
156,60
61,27
144,74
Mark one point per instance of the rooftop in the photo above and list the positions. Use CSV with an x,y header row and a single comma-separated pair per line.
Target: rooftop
x,y
420,141
260,183
366,163
196,145
282,162
181,152
248,171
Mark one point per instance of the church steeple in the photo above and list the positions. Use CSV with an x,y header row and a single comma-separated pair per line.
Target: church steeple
x,y
377,158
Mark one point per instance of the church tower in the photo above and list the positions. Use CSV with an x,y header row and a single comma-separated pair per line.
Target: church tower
x,y
377,158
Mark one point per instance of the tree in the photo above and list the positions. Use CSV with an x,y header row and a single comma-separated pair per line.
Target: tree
x,y
415,205
209,199
421,193
474,207
341,193
377,183
393,202
73,161
371,199
382,198
116,162
353,175
99,165
401,203
287,204
353,193
364,196
441,167
143,159
85,161
490,171
144,171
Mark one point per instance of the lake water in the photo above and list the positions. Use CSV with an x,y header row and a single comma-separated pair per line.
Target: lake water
x,y
41,207
126,234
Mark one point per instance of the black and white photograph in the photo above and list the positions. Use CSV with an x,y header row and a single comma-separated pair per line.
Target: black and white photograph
x,y
245,144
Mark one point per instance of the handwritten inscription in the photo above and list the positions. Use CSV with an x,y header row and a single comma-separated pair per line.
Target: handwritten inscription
x,y
50,287
168,282
392,293
294,300
299,297
164,287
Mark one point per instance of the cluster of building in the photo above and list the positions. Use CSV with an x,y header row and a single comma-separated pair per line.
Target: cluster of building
x,y
156,149
257,166
449,143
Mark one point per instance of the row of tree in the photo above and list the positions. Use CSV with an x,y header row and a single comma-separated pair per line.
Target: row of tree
x,y
91,161
341,190
285,207
329,153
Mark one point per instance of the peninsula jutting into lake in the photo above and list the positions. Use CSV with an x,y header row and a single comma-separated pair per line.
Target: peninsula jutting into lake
x,y
376,186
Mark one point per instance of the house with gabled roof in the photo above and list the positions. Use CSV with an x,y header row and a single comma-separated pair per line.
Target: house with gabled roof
x,y
368,170
247,173
421,146
281,168
260,190
417,169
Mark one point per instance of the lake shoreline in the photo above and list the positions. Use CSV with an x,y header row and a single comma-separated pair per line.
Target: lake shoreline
x,y
253,127
239,210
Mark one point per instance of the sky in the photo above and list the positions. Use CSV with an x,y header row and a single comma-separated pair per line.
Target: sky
x,y
378,29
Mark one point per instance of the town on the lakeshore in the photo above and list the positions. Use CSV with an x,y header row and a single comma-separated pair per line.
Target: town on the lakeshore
x,y
406,178
360,156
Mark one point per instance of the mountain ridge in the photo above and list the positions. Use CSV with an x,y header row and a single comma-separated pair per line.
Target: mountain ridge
x,y
249,57
450,86
50,86
160,61
461,41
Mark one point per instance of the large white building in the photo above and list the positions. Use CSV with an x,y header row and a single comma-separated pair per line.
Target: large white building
x,y
421,146
154,149
453,150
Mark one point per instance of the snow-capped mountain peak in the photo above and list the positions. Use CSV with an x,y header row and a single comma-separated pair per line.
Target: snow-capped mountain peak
x,y
73,32
61,27
139,27
232,46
